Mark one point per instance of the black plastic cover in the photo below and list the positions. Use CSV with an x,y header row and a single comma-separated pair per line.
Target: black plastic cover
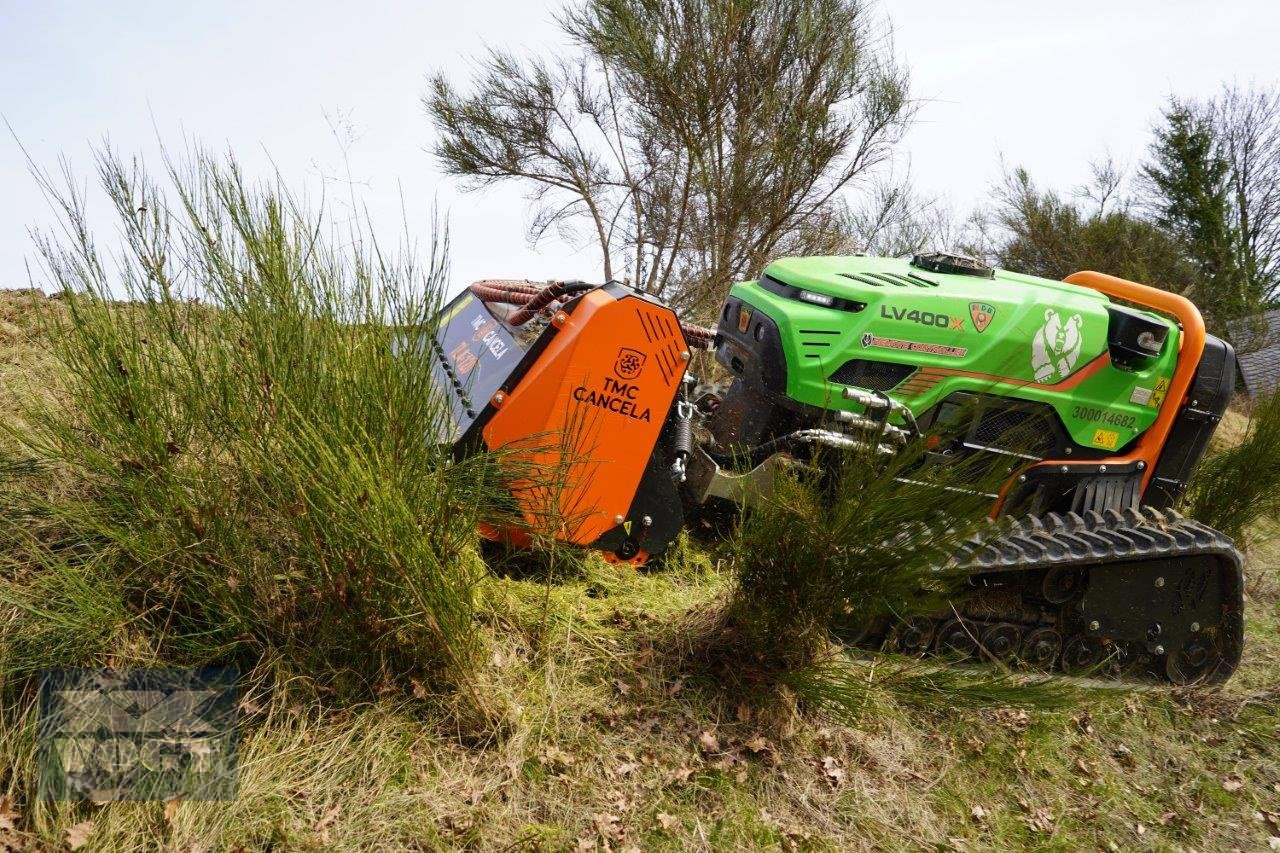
x,y
1211,390
473,355
1132,337
945,262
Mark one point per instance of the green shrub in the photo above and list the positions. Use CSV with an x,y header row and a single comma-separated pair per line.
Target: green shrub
x,y
1237,486
256,476
853,539
838,547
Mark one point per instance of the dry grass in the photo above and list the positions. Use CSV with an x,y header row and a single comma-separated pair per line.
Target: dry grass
x,y
26,364
610,740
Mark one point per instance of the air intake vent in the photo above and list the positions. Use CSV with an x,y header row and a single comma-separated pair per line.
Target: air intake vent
x,y
880,279
1026,429
872,375
862,279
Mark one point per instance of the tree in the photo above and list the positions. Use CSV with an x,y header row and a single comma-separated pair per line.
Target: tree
x,y
1246,123
695,139
1041,233
894,219
1187,186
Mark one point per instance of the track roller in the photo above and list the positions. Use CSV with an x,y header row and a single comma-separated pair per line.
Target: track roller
x,y
1082,654
1041,648
957,637
1061,584
914,636
1001,641
1197,661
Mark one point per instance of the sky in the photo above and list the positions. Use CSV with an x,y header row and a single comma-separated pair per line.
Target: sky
x,y
321,91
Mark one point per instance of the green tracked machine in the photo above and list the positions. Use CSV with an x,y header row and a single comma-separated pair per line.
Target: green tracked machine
x,y
1101,394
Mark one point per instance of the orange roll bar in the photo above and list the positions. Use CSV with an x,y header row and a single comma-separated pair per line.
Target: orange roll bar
x,y
1191,348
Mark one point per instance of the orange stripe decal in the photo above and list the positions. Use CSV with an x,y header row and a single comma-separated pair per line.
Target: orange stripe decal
x,y
931,376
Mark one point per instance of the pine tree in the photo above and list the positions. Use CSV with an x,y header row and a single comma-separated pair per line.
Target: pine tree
x,y
1189,192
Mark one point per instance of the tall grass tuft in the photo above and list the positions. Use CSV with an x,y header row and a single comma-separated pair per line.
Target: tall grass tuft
x,y
1239,485
258,479
835,546
842,542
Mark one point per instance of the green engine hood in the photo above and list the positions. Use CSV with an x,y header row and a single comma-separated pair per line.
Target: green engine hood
x,y
1012,335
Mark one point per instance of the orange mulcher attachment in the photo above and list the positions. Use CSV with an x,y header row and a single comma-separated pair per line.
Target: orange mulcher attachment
x,y
580,412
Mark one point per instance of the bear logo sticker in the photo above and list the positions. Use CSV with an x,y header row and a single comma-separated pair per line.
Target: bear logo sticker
x,y
629,363
1056,347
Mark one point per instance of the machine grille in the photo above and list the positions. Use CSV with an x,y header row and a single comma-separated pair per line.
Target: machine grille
x,y
880,279
1026,429
872,375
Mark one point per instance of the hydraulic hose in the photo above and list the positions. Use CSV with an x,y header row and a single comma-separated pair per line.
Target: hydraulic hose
x,y
530,298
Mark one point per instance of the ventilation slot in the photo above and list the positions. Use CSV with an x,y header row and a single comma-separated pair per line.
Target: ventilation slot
x,y
861,278
1021,430
895,280
872,375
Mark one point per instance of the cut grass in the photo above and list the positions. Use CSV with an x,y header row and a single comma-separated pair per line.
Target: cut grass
x,y
608,742
605,742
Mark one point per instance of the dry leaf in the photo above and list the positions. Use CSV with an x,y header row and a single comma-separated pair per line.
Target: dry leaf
x,y
680,774
667,821
1140,829
171,808
77,836
1015,720
624,768
1232,783
709,742
979,813
743,712
609,826
758,744
831,767
621,686
8,814
1274,842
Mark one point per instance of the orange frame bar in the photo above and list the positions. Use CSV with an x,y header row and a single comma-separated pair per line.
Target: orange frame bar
x,y
1190,349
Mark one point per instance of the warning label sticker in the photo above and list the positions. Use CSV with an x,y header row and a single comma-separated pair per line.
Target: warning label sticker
x,y
1105,438
1158,395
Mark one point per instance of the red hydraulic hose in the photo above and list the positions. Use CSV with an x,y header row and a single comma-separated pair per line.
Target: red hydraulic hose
x,y
698,337
532,297
544,297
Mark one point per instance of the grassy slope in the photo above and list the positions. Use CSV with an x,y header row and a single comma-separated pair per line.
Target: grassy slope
x,y
609,742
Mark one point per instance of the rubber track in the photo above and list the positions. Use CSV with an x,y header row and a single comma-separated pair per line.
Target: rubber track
x,y
1094,540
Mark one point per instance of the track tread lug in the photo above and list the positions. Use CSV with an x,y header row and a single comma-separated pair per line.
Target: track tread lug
x,y
1094,540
